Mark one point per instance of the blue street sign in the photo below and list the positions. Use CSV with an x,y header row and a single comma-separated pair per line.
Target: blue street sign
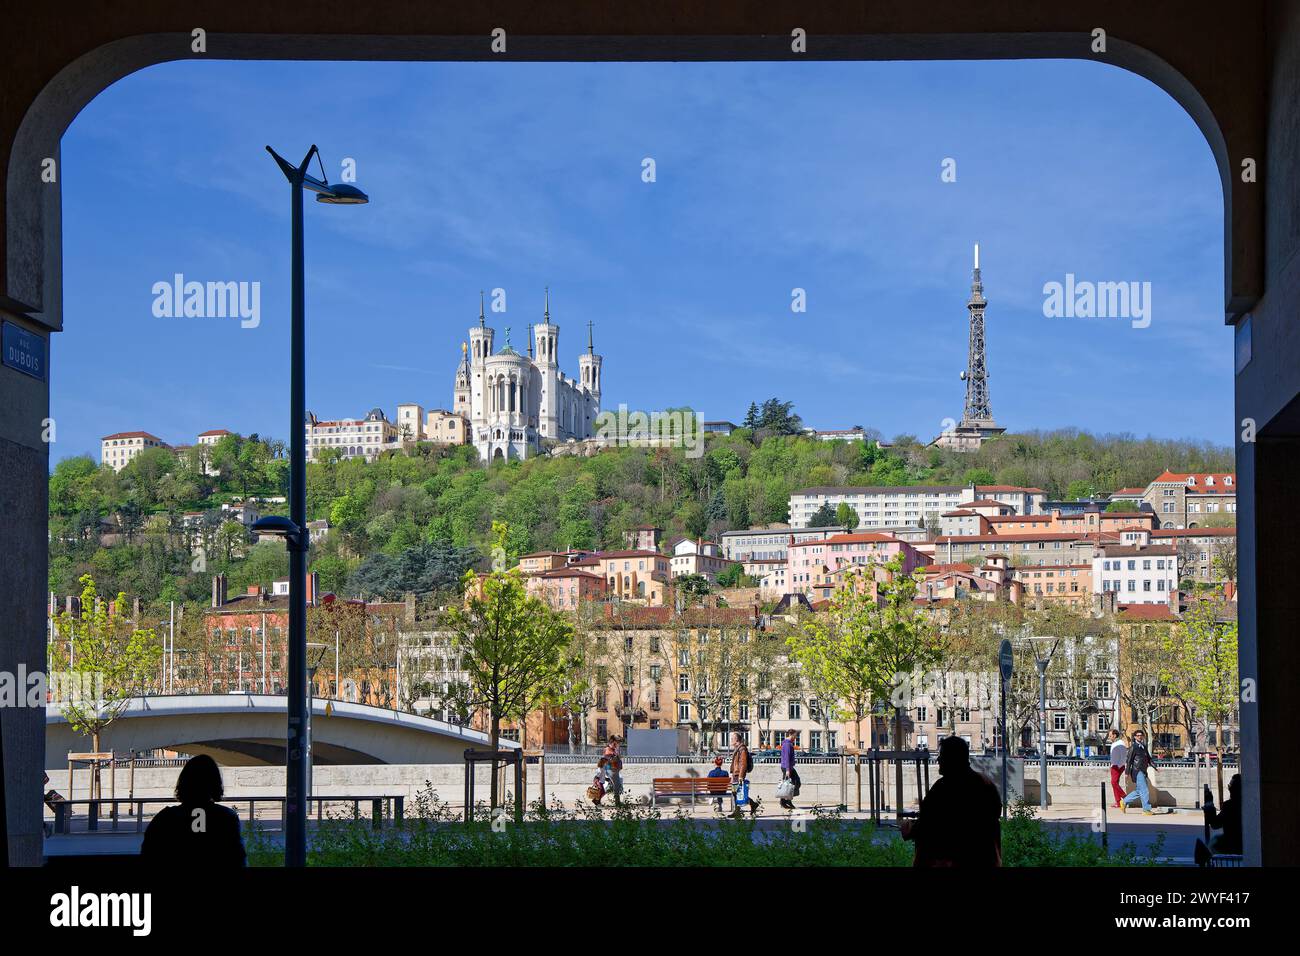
x,y
1005,659
24,351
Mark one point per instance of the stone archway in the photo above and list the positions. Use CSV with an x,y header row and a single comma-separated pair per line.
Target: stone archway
x,y
1247,113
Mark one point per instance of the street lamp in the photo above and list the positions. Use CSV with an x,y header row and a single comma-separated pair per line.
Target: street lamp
x,y
294,528
1041,664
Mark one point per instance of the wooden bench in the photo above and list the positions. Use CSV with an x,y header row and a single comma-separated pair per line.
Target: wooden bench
x,y
693,787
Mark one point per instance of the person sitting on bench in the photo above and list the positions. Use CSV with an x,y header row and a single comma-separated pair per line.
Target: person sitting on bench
x,y
1228,820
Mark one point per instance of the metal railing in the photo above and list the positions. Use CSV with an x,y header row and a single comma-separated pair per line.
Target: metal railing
x,y
105,815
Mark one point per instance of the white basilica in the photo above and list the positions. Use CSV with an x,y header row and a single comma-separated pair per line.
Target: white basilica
x,y
515,402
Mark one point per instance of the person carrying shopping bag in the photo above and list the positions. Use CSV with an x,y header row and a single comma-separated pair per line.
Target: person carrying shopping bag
x,y
789,775
742,764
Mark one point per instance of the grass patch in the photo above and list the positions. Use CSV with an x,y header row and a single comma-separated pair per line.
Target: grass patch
x,y
639,835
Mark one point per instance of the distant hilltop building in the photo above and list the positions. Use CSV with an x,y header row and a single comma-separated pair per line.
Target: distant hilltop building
x,y
977,424
515,402
118,449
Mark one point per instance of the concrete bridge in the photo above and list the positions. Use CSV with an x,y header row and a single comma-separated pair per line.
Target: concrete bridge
x,y
247,730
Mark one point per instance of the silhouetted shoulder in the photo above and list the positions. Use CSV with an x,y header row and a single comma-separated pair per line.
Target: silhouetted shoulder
x,y
190,835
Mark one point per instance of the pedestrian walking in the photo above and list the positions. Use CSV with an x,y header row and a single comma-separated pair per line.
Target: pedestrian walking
x,y
788,771
1138,765
1118,758
742,765
610,768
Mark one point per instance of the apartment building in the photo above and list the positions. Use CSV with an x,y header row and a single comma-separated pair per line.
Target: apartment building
x,y
1190,500
1203,553
352,437
770,542
769,573
119,449
1081,522
908,505
566,588
816,568
1069,584
633,575
541,561
695,556
1135,569
1059,548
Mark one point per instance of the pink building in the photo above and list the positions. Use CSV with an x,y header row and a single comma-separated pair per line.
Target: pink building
x,y
565,588
816,567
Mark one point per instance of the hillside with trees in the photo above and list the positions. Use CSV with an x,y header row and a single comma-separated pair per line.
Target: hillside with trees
x,y
417,520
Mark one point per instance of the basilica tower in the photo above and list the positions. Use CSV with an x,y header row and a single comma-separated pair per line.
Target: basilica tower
x,y
547,337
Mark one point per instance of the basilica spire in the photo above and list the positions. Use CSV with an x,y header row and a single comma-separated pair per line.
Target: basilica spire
x,y
590,350
480,308
546,309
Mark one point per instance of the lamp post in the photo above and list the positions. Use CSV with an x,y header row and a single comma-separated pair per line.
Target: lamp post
x,y
294,528
1041,664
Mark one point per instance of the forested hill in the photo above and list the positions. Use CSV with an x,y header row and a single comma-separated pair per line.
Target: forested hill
x,y
415,521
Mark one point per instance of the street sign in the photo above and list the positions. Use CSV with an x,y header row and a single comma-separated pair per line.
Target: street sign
x,y
1005,659
23,350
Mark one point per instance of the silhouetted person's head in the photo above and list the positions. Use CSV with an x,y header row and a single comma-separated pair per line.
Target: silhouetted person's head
x,y
1114,734
1234,786
954,755
200,781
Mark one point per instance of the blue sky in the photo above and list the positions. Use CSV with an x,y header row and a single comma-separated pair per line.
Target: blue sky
x,y
821,176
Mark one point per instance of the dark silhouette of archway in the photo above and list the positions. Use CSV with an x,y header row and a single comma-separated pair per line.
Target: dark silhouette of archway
x,y
1234,68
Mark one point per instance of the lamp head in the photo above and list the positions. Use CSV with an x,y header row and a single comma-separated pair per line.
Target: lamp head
x,y
277,525
342,194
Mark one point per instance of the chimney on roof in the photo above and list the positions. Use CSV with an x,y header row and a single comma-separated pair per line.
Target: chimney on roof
x,y
218,590
409,613
1104,603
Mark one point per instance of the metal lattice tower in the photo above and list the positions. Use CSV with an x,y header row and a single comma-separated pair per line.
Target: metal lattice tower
x,y
978,413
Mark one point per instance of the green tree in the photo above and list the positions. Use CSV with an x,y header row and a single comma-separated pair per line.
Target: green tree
x,y
694,585
846,515
870,644
1204,645
731,576
512,646
101,660
824,517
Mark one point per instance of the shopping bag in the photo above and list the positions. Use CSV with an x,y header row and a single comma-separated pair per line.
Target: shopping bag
x,y
785,790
